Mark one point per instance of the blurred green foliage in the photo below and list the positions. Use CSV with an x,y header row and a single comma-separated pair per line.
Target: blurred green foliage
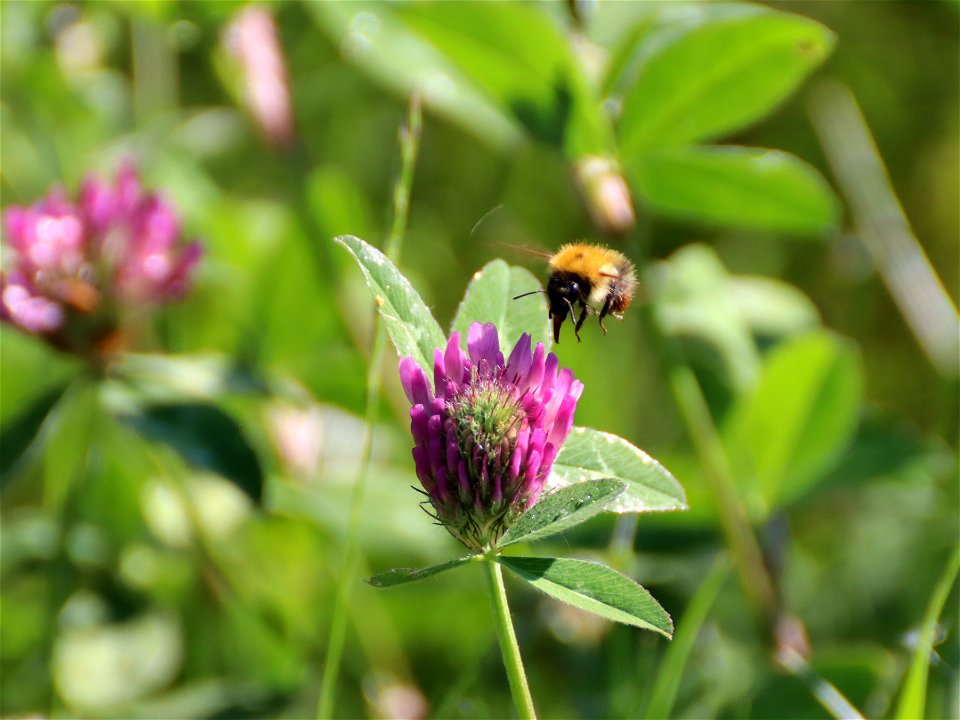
x,y
172,537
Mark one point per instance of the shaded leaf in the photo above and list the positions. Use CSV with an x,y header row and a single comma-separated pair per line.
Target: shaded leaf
x,y
741,186
593,587
206,438
566,508
590,454
408,320
800,416
489,298
771,307
18,433
400,576
719,77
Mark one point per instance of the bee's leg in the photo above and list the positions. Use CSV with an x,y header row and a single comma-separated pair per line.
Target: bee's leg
x,y
583,316
604,311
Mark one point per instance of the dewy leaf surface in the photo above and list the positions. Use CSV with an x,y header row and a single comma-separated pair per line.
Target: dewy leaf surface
x,y
590,454
593,587
741,186
408,320
489,298
719,77
563,509
400,576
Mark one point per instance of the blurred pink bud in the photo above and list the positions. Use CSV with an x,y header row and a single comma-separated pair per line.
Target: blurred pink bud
x,y
606,193
251,38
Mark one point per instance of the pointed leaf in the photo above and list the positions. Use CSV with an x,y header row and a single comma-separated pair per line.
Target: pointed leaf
x,y
408,320
566,508
19,433
400,576
590,454
740,186
593,587
206,437
489,298
718,77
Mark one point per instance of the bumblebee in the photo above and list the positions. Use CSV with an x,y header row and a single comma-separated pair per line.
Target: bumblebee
x,y
591,276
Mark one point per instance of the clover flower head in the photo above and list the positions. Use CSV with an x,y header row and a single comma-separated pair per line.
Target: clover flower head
x,y
487,432
70,267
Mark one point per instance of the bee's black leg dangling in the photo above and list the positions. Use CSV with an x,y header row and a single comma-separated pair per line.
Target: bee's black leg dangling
x,y
603,313
583,316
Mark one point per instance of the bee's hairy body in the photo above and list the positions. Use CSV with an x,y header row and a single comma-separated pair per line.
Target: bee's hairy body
x,y
593,277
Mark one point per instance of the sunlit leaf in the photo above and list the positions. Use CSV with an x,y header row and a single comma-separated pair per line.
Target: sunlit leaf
x,y
719,77
520,56
590,454
489,299
747,187
408,320
566,508
593,587
771,307
799,417
399,576
372,37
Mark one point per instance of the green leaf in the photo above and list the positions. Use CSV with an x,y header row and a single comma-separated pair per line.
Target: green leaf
x,y
719,77
771,307
376,40
206,438
563,509
590,454
400,576
408,320
19,433
694,307
914,693
593,587
740,186
520,56
489,298
799,418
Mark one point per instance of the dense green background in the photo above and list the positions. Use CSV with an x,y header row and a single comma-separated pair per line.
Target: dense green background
x,y
110,608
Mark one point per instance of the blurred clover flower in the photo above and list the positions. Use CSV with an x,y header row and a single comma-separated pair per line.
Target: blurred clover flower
x,y
486,438
76,266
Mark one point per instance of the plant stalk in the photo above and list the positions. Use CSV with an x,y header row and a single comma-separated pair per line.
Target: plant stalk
x,y
508,641
409,147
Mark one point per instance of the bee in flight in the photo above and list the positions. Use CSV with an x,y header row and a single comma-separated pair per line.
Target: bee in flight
x,y
593,276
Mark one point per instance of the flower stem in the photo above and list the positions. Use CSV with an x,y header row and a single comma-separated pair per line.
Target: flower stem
x,y
508,641
409,146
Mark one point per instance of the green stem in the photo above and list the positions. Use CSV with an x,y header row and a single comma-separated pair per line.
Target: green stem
x,y
736,527
508,640
409,146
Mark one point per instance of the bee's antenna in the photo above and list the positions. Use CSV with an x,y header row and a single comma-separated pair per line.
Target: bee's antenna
x,y
487,214
532,292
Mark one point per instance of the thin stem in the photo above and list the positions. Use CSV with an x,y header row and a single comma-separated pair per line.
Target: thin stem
x,y
737,531
409,146
508,640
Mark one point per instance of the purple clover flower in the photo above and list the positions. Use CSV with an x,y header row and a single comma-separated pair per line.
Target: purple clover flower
x,y
74,266
486,437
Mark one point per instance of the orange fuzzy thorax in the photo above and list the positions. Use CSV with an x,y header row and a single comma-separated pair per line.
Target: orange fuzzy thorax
x,y
601,267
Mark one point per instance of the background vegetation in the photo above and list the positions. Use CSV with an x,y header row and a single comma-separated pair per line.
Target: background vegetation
x,y
173,536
